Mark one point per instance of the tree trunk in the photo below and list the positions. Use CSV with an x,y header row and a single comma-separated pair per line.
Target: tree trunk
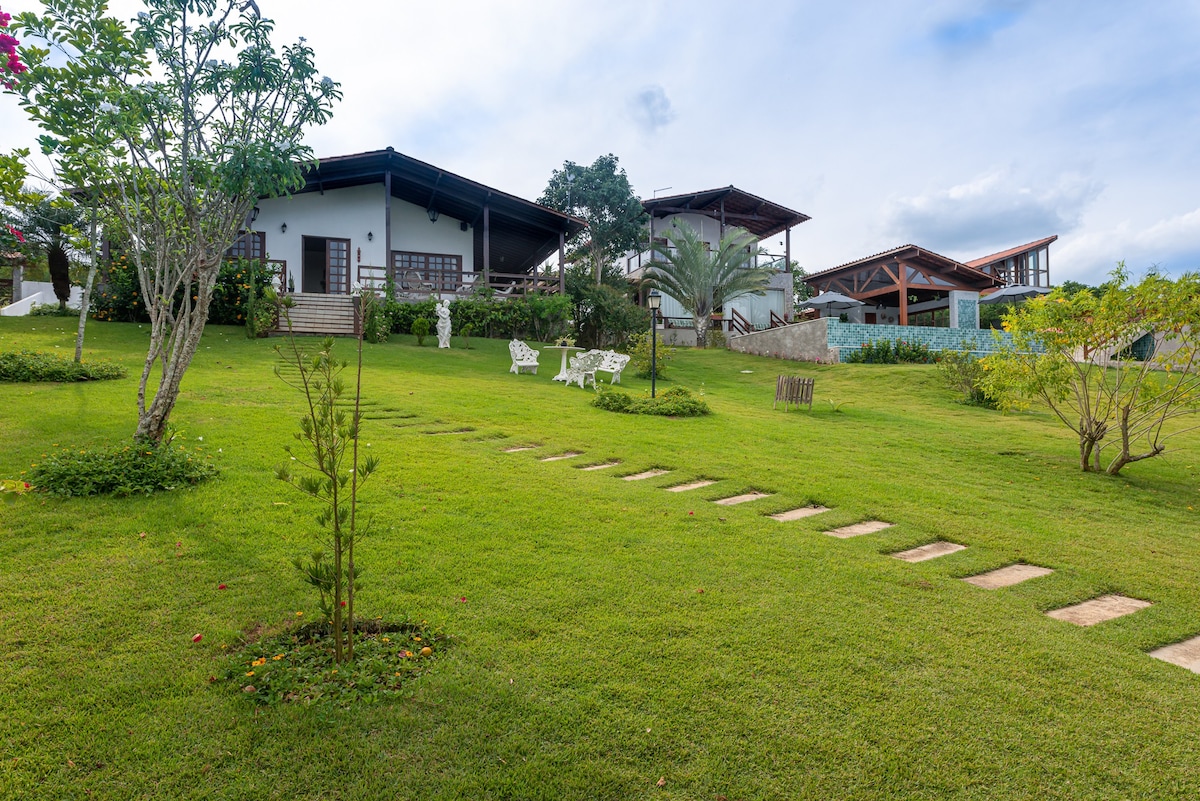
x,y
85,303
701,321
60,274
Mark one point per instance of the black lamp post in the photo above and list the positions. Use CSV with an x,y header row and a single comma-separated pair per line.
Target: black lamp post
x,y
653,303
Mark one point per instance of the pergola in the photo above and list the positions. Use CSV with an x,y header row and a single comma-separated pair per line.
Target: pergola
x,y
893,277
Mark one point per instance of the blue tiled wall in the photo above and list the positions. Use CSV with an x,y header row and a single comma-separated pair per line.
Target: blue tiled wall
x,y
848,336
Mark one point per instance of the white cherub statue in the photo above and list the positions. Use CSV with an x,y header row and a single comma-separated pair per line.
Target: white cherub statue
x,y
443,324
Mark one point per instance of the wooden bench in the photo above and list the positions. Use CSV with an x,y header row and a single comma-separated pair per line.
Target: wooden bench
x,y
793,389
524,359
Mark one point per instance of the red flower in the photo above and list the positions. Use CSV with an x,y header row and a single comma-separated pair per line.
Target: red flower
x,y
197,638
26,485
220,586
17,234
343,603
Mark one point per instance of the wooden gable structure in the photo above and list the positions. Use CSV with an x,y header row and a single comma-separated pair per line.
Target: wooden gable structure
x,y
897,276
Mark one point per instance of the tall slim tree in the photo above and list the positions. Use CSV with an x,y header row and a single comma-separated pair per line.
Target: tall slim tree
x,y
702,279
180,123
601,196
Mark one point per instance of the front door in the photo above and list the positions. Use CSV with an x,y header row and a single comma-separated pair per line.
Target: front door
x,y
337,266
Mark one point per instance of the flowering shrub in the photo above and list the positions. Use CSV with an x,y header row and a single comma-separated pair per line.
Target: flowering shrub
x,y
885,352
137,469
639,350
28,365
11,64
235,297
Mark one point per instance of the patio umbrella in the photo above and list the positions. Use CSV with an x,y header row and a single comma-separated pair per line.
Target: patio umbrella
x,y
1014,294
832,300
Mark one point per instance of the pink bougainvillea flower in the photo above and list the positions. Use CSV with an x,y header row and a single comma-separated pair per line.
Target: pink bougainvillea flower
x,y
197,637
462,600
17,234
179,543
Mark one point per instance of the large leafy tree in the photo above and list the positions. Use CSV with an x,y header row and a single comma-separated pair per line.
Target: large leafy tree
x,y
601,196
1120,366
177,124
702,279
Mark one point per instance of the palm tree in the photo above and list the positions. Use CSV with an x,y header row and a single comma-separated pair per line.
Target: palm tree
x,y
47,225
702,279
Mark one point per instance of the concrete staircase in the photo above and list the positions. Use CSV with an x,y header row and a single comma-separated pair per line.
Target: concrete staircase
x,y
321,314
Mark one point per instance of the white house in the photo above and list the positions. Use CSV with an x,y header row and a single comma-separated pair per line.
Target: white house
x,y
711,213
366,217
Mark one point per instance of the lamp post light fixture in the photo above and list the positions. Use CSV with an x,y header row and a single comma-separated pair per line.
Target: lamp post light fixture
x,y
653,303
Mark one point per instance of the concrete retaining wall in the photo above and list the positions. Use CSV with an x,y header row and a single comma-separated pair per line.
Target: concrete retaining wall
x,y
807,341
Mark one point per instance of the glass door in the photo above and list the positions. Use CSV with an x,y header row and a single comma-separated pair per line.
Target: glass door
x,y
337,266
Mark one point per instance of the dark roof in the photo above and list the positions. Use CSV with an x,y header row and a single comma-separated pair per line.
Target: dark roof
x,y
758,216
915,254
1004,254
522,233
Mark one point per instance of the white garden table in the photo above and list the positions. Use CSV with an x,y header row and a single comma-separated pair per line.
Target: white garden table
x,y
566,349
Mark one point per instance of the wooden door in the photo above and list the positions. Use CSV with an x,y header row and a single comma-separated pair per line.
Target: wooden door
x,y
337,266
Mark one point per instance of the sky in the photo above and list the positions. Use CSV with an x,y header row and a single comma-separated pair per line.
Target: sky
x,y
962,126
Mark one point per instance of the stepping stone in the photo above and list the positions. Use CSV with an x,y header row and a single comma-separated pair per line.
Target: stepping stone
x,y
692,486
798,514
858,529
601,466
736,499
519,448
455,431
1007,576
1098,610
646,474
931,551
1186,654
561,456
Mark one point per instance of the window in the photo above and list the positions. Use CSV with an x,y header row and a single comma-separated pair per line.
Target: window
x,y
249,245
442,271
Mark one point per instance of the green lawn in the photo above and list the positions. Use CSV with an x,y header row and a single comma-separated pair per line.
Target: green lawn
x,y
587,663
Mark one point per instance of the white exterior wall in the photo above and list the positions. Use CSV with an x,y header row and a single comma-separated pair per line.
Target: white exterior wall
x,y
349,213
352,213
412,231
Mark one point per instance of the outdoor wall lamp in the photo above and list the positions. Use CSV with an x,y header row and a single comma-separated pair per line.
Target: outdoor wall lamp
x,y
253,215
653,303
370,236
433,214
283,228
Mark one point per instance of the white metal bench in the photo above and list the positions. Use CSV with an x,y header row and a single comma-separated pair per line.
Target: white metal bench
x,y
613,363
583,367
524,359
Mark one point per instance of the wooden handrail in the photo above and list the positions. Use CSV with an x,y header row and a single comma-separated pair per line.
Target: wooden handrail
x,y
776,320
738,323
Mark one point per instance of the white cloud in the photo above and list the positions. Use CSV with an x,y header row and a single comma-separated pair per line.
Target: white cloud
x,y
1172,245
992,211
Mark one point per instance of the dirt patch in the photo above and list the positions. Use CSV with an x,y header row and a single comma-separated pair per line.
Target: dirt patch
x,y
1007,576
691,486
858,529
798,514
601,466
645,474
1186,654
747,497
931,551
520,448
561,456
1098,610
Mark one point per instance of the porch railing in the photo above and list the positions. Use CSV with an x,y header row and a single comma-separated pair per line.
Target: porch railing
x,y
417,284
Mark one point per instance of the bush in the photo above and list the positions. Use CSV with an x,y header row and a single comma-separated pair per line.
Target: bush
x,y
639,350
962,372
28,365
605,317
117,294
674,402
420,329
51,310
886,352
376,324
137,469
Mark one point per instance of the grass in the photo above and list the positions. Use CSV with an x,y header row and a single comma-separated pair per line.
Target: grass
x,y
586,660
